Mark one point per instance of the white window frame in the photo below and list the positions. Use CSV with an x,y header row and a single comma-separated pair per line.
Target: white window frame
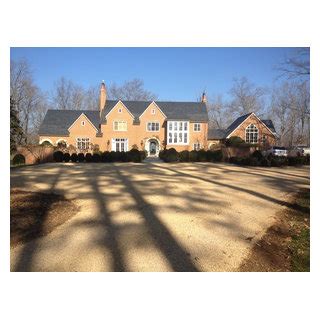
x,y
197,126
153,111
88,141
151,122
120,110
83,123
197,146
119,121
125,142
176,129
249,128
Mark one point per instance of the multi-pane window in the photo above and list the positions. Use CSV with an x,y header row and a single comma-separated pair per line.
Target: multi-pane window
x,y
196,127
196,146
120,125
120,144
252,134
153,126
83,143
178,132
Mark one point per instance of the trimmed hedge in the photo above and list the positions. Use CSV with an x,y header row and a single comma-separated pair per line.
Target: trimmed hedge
x,y
184,156
214,156
74,157
58,156
66,157
18,159
270,161
88,157
171,155
80,157
106,156
202,155
193,156
134,155
96,157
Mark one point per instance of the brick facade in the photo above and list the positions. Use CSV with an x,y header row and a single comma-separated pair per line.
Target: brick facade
x,y
263,131
135,133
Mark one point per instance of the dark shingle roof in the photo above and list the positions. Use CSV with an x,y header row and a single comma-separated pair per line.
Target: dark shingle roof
x,y
270,125
236,123
193,111
216,134
57,122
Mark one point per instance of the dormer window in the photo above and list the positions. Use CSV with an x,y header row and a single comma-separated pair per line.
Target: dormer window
x,y
119,110
83,123
153,111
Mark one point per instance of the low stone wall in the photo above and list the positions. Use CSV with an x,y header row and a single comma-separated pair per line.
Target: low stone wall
x,y
36,154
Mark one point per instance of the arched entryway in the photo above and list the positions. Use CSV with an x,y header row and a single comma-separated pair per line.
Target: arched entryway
x,y
152,147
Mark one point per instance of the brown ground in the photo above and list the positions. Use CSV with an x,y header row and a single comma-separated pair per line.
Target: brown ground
x,y
276,250
36,214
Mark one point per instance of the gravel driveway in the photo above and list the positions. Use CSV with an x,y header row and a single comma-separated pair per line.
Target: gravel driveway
x,y
155,216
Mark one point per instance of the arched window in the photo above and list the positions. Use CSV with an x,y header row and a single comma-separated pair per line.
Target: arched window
x,y
252,134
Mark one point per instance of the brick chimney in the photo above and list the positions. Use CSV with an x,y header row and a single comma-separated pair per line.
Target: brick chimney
x,y
204,97
103,96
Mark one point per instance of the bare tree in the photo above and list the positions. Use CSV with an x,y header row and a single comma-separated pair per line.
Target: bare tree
x,y
219,116
28,97
297,66
62,94
290,113
131,90
91,100
246,97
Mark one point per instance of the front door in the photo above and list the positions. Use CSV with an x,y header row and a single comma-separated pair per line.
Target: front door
x,y
153,148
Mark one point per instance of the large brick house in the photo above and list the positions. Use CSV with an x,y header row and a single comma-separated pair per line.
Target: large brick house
x,y
146,125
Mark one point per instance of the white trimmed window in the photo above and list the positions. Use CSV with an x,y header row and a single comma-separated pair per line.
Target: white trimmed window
x,y
119,110
178,132
252,134
153,126
153,111
120,144
83,143
196,146
120,126
83,123
196,127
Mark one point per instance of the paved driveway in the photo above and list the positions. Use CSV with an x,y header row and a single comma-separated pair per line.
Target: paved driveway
x,y
155,216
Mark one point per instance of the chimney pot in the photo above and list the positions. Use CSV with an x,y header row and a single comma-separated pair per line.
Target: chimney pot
x,y
204,97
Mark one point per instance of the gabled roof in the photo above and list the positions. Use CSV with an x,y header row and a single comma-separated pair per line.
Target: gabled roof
x,y
236,123
192,111
218,134
57,122
270,125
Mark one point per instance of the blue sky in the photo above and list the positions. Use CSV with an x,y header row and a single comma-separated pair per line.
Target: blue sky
x,y
179,74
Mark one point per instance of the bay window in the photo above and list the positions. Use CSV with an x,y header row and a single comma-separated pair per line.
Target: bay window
x,y
178,132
